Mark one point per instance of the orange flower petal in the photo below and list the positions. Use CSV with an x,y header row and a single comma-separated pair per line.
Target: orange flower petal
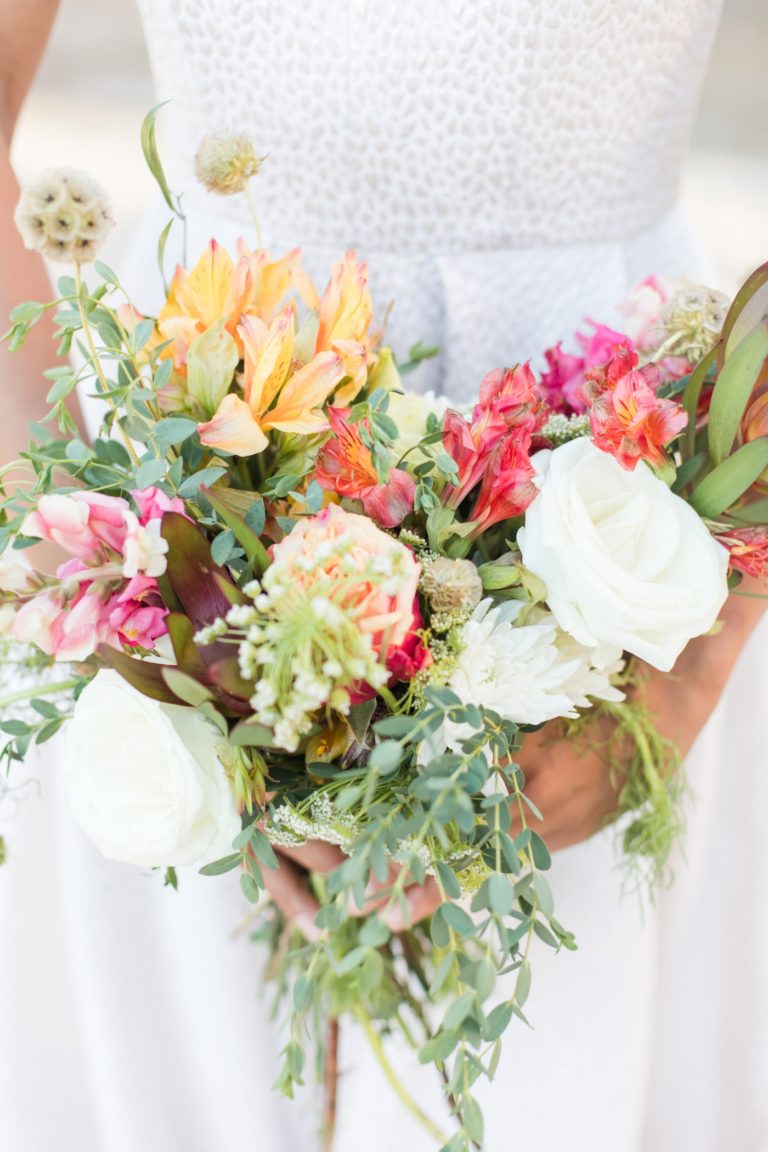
x,y
233,429
307,389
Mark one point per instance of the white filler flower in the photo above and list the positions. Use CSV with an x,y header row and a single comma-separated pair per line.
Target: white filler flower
x,y
626,562
145,780
528,673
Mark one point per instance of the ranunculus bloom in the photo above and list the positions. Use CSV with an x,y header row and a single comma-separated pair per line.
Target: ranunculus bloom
x,y
145,780
386,609
82,523
747,549
345,466
626,416
626,562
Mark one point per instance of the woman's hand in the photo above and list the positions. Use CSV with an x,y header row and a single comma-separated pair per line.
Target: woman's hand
x,y
576,791
287,887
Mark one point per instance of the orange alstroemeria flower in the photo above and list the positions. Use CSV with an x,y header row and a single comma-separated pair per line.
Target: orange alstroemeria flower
x,y
346,315
277,393
217,288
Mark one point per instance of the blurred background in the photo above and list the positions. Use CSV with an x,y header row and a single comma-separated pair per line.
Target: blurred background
x,y
94,88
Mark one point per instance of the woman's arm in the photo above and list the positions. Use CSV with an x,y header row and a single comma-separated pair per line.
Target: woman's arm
x,y
24,30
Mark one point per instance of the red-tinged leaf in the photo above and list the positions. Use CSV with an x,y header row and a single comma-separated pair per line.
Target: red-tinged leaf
x,y
196,580
144,675
749,307
692,395
227,588
225,674
185,650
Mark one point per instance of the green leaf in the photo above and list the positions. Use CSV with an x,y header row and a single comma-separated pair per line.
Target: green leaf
x,y
223,546
501,896
731,479
245,536
743,306
457,919
248,734
303,991
497,1021
174,430
106,273
250,888
458,1011
148,473
385,757
188,689
152,156
27,313
734,386
394,726
438,1048
523,983
691,395
144,675
219,867
202,479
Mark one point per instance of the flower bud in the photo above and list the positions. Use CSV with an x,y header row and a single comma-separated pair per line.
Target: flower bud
x,y
212,360
452,585
226,161
65,215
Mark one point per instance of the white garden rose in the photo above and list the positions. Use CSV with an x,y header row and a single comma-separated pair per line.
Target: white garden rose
x,y
625,561
145,780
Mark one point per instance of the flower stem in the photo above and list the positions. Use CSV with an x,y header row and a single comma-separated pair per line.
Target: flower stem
x,y
254,214
97,362
331,1084
396,1084
38,690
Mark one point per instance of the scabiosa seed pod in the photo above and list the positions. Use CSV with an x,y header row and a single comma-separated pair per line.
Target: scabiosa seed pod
x,y
226,161
692,320
65,215
452,585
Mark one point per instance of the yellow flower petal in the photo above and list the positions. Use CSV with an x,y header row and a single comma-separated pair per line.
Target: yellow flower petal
x,y
233,429
268,355
297,406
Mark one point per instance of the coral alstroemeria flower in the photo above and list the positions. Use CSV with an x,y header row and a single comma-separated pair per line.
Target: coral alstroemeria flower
x,y
218,289
345,466
277,395
507,487
509,405
748,548
346,314
627,418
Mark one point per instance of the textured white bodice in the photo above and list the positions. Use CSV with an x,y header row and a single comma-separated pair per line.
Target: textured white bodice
x,y
461,145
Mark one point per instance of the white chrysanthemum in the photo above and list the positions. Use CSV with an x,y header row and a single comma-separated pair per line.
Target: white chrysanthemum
x,y
528,673
65,215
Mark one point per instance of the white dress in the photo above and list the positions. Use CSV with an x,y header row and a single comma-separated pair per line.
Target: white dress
x,y
507,166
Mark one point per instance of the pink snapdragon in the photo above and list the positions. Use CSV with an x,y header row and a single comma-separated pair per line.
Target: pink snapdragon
x,y
107,592
137,613
69,629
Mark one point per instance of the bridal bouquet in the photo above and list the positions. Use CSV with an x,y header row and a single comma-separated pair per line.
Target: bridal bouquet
x,y
296,602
